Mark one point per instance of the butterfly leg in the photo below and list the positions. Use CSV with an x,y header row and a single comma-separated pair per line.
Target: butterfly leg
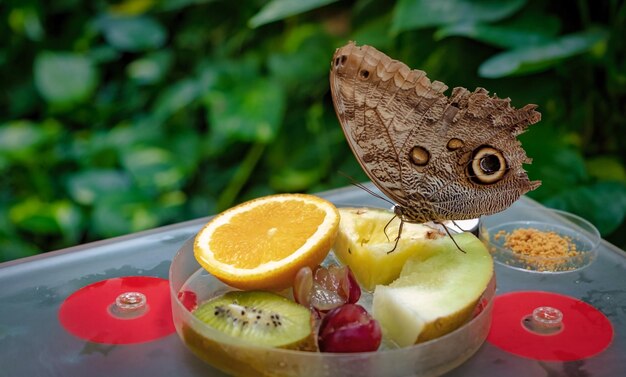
x,y
387,225
458,226
450,235
397,237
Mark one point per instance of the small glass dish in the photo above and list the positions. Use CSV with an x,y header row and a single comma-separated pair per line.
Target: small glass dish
x,y
232,356
532,246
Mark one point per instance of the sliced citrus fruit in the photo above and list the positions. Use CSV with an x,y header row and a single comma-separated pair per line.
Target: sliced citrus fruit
x,y
262,243
436,295
365,245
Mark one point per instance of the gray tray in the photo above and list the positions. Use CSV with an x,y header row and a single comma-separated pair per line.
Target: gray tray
x,y
33,342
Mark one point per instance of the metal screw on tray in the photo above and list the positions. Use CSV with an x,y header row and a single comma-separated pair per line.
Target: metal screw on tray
x,y
544,320
129,305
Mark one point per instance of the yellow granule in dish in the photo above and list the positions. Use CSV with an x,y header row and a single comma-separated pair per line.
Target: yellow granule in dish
x,y
541,251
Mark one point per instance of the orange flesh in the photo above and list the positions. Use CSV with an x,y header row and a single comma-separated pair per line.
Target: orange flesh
x,y
249,239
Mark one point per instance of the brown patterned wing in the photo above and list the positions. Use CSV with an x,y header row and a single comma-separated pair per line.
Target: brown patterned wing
x,y
359,92
477,161
440,158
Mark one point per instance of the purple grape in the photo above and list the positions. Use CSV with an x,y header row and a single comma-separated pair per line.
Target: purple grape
x,y
349,328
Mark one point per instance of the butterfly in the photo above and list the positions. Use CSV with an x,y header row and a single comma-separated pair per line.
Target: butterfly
x,y
437,157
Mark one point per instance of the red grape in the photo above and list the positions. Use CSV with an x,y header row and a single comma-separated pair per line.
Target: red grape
x,y
188,299
302,286
351,287
325,288
349,328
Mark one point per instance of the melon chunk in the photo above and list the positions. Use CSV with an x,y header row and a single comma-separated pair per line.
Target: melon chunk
x,y
434,295
362,244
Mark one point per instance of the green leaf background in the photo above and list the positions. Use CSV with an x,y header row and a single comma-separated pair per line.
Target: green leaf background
x,y
120,116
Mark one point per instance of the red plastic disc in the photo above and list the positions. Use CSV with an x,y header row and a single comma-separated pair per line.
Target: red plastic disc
x,y
91,313
584,330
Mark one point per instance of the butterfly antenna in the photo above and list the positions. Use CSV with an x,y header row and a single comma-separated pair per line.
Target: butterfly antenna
x,y
365,188
376,195
452,238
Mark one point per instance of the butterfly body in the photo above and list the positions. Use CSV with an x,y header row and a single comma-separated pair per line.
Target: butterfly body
x,y
438,157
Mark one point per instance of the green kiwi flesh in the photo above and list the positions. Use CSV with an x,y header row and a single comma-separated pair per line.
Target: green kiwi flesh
x,y
260,318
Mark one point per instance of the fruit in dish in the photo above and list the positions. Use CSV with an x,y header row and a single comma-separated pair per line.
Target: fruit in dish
x,y
367,236
349,328
425,286
262,244
325,288
436,292
260,318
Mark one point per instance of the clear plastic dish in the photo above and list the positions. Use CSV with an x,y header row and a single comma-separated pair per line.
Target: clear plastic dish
x,y
576,230
226,353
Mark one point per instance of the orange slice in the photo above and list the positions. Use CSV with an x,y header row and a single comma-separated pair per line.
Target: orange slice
x,y
262,243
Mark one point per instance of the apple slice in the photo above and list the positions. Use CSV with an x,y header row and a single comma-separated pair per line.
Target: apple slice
x,y
434,296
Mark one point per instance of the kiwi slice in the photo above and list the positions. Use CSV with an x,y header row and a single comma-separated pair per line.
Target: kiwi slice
x,y
260,318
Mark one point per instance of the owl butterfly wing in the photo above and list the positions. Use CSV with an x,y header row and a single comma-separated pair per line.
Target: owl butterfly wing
x,y
477,166
362,84
439,157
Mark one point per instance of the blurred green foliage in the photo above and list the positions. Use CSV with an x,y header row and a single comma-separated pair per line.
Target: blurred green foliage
x,y
124,115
